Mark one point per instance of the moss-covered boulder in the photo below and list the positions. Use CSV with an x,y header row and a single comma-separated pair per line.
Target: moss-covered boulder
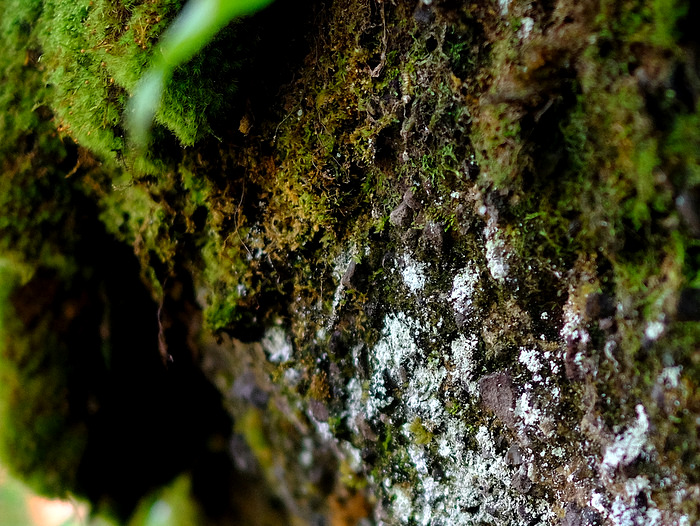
x,y
445,254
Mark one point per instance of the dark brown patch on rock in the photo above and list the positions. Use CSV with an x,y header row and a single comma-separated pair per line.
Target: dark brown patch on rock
x,y
498,396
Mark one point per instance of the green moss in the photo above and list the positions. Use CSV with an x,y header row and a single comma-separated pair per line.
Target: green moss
x,y
95,52
40,442
19,67
572,171
497,145
681,148
421,435
656,21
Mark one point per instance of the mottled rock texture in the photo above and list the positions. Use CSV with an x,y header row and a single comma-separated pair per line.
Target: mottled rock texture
x,y
439,259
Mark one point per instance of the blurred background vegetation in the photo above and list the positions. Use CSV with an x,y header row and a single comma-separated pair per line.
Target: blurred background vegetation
x,y
20,506
552,140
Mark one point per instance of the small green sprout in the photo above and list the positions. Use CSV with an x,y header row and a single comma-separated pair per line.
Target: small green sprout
x,y
195,26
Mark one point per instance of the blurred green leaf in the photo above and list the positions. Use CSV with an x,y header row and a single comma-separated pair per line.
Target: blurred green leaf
x,y
192,30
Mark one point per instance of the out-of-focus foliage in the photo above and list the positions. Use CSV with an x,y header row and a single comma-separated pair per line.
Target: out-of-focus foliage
x,y
40,437
18,61
170,506
87,57
194,28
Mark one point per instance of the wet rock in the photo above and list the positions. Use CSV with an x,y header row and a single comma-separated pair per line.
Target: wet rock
x,y
576,516
424,14
500,323
498,396
411,237
336,379
355,276
336,344
607,324
687,204
410,199
246,388
514,456
365,429
347,278
319,410
521,482
432,237
242,456
401,216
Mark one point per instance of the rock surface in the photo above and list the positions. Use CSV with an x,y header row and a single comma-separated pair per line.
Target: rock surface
x,y
448,274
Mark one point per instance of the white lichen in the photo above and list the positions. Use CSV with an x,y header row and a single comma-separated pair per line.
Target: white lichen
x,y
573,327
497,257
528,413
497,250
277,345
627,446
654,330
413,274
637,485
597,502
670,377
417,455
423,390
306,455
463,287
461,357
356,403
401,504
627,513
458,495
395,349
474,489
397,344
526,25
530,358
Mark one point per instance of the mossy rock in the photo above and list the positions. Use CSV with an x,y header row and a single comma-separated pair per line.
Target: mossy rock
x,y
439,193
85,396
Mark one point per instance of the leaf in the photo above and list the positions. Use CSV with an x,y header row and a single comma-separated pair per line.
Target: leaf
x,y
195,26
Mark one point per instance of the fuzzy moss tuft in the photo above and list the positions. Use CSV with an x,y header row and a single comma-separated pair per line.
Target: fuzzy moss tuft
x,y
95,52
